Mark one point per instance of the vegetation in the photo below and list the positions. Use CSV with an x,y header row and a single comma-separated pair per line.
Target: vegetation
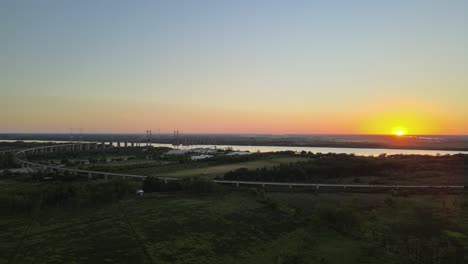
x,y
7,161
216,170
349,168
32,193
194,185
182,165
50,218
199,225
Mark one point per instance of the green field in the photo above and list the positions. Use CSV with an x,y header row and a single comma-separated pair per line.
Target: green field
x,y
71,219
241,227
185,229
215,170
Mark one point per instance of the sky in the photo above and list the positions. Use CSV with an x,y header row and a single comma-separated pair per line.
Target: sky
x,y
276,67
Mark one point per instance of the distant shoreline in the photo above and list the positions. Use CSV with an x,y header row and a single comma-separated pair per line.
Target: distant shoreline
x,y
343,145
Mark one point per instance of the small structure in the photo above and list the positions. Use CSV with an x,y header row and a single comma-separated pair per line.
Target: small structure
x,y
177,152
203,150
238,153
200,157
194,151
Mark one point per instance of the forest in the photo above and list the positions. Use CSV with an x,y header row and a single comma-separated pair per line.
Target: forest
x,y
342,167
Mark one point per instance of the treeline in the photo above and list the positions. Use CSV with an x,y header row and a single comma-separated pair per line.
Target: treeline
x,y
335,166
227,159
99,155
70,194
19,145
7,161
48,190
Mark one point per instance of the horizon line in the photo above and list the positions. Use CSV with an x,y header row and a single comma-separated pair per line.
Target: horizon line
x,y
227,133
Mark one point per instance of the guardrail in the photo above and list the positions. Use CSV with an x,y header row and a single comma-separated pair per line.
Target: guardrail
x,y
343,186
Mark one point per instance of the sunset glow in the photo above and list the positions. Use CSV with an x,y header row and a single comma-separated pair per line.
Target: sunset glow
x,y
400,132
234,131
221,68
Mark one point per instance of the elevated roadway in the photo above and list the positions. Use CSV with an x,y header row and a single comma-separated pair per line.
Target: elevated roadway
x,y
21,158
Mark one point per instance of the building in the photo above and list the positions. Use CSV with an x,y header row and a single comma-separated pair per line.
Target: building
x,y
238,153
177,152
192,151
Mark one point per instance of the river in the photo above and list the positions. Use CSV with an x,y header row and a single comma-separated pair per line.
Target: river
x,y
356,151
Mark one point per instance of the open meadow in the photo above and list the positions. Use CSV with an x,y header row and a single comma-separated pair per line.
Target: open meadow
x,y
104,222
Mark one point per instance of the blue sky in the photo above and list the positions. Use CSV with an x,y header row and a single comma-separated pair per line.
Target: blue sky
x,y
299,59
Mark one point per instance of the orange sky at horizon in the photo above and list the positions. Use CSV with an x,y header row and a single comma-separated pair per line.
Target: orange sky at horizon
x,y
305,67
131,117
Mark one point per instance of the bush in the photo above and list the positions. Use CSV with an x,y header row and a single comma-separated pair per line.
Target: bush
x,y
197,185
343,220
7,161
194,185
70,194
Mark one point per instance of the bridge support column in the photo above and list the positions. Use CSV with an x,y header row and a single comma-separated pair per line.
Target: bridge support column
x,y
237,184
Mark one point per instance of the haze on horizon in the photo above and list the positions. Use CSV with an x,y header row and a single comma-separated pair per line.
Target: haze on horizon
x,y
297,67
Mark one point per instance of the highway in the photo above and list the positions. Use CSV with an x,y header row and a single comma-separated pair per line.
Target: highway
x,y
343,186
22,154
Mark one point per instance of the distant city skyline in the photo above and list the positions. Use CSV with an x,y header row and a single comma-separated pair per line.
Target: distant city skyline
x,y
265,67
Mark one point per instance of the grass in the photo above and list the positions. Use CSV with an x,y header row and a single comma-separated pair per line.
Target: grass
x,y
215,170
228,227
187,229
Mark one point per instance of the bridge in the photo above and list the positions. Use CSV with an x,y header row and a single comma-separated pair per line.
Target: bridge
x,y
21,155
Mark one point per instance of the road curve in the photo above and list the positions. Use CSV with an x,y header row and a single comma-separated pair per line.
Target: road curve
x,y
20,155
80,146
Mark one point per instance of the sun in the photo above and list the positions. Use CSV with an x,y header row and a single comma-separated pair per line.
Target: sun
x,y
399,131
